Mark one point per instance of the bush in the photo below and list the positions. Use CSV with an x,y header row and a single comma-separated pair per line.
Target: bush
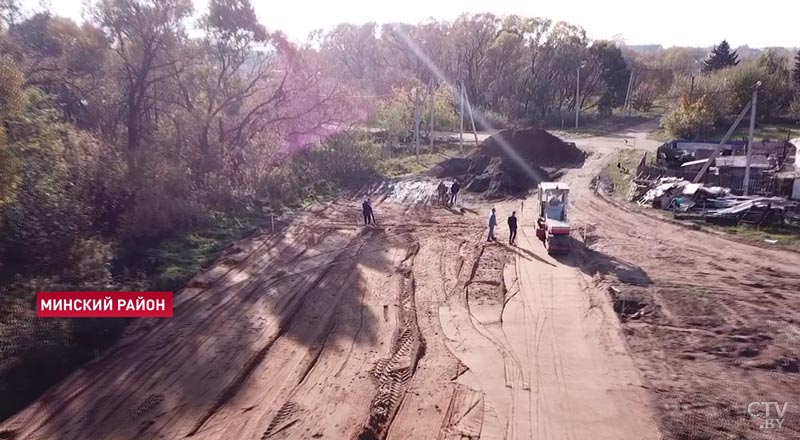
x,y
774,95
490,120
346,156
281,186
794,107
44,217
727,91
155,216
98,174
690,119
396,114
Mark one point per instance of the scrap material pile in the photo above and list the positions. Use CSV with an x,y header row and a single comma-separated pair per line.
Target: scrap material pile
x,y
713,204
512,161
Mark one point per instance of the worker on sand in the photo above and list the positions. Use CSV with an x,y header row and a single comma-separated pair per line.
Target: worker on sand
x,y
442,190
454,188
366,207
512,228
492,224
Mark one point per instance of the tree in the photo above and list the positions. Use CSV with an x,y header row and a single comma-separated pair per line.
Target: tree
x,y
796,72
144,34
10,12
472,36
534,31
229,72
690,118
11,102
613,72
566,51
649,85
354,47
721,57
59,57
506,59
773,71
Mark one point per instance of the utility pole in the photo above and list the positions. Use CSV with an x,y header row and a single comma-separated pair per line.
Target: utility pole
x,y
627,106
417,118
717,150
577,96
433,105
691,90
461,117
750,139
471,118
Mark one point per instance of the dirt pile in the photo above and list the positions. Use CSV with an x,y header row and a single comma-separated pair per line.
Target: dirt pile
x,y
512,161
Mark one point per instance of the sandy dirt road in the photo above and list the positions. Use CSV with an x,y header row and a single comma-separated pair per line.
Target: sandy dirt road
x,y
418,329
415,328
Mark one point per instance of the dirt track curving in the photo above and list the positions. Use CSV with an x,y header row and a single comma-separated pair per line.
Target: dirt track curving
x,y
721,324
418,329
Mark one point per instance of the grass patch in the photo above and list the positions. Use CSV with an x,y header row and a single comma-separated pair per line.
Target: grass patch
x,y
763,131
175,261
616,179
417,165
782,236
41,352
772,131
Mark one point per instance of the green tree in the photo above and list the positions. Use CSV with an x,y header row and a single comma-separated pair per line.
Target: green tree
x,y
774,72
44,219
11,102
614,74
690,119
59,57
720,58
396,115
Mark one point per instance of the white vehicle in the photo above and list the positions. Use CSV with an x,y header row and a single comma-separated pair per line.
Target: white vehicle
x,y
552,227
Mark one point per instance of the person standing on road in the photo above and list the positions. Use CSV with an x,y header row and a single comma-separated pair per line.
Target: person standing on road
x,y
454,188
367,208
442,190
492,224
512,228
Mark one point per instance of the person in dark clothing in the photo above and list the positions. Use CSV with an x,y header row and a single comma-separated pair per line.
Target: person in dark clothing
x,y
442,190
454,188
367,208
512,228
492,225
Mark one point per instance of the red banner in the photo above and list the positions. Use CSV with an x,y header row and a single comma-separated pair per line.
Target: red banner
x,y
104,304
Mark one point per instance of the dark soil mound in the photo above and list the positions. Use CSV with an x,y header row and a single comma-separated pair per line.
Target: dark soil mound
x,y
453,167
512,161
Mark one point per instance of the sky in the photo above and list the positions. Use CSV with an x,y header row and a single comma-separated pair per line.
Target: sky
x,y
703,23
